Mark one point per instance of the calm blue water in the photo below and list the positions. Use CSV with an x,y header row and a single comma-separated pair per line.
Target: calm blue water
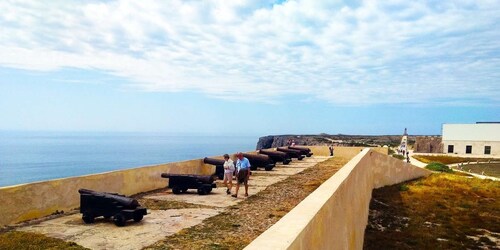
x,y
28,157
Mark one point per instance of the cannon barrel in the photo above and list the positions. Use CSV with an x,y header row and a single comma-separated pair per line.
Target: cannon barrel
x,y
262,161
121,199
205,179
300,148
292,152
277,155
305,151
219,166
213,161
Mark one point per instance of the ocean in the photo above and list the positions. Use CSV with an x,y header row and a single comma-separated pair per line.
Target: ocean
x,y
29,157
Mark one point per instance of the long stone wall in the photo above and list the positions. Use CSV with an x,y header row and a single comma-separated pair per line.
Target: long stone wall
x,y
34,200
335,215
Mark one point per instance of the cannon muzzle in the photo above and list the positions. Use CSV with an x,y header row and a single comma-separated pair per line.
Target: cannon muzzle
x,y
277,156
304,150
262,161
292,153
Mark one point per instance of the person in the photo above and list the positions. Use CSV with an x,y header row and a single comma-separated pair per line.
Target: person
x,y
331,150
407,156
228,173
293,143
243,168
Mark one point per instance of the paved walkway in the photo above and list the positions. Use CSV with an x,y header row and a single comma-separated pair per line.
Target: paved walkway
x,y
454,166
160,223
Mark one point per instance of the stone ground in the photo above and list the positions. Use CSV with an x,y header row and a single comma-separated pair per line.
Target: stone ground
x,y
167,213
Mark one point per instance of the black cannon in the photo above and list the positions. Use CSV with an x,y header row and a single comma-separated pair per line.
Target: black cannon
x,y
180,183
260,161
277,156
292,153
219,166
305,151
94,204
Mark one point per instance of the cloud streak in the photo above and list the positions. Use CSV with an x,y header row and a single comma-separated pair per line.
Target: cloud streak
x,y
356,53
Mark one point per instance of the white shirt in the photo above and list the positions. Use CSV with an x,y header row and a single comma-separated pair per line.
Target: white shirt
x,y
228,167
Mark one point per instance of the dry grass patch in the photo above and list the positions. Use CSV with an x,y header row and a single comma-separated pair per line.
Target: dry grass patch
x,y
167,204
23,240
442,211
240,224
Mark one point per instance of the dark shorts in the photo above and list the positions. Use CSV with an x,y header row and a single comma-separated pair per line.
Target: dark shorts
x,y
243,176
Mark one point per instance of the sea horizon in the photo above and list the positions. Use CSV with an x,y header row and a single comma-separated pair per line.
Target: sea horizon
x,y
32,156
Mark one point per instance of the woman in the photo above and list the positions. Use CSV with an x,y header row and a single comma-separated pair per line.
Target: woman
x,y
228,173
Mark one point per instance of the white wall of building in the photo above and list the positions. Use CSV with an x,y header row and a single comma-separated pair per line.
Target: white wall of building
x,y
478,136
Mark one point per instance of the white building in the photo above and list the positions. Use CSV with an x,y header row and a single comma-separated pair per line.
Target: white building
x,y
472,139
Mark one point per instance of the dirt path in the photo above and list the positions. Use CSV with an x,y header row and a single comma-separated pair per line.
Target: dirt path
x,y
239,224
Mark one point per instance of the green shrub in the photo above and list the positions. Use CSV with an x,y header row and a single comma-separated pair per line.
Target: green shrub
x,y
401,157
404,188
436,166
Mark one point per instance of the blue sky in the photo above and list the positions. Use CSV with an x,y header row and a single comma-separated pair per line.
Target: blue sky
x,y
249,67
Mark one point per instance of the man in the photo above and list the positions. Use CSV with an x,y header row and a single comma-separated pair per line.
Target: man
x,y
243,167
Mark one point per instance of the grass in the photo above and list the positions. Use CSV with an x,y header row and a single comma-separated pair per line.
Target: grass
x,y
398,156
446,159
165,205
442,211
240,224
439,167
15,240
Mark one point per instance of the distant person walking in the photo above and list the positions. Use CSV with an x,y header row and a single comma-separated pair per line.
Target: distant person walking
x,y
331,150
407,156
243,168
228,173
293,143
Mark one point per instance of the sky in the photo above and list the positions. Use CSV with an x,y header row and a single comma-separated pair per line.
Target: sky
x,y
247,67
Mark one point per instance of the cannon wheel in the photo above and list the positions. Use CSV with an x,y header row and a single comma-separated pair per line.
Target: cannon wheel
x,y
253,168
176,190
119,220
138,217
107,216
88,218
184,190
268,168
202,191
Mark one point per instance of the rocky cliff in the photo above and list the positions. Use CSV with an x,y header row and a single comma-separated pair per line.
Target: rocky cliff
x,y
272,141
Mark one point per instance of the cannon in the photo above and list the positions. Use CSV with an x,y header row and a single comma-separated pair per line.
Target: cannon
x,y
180,183
277,156
292,153
305,151
94,204
260,161
219,166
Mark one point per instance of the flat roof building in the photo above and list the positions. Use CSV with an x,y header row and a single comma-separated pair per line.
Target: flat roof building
x,y
482,138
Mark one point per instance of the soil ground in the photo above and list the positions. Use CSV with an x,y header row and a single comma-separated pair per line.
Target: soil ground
x,y
442,211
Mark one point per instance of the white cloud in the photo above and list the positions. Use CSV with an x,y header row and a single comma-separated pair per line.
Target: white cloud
x,y
364,52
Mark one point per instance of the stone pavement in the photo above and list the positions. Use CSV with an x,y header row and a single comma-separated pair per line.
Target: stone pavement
x,y
103,234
